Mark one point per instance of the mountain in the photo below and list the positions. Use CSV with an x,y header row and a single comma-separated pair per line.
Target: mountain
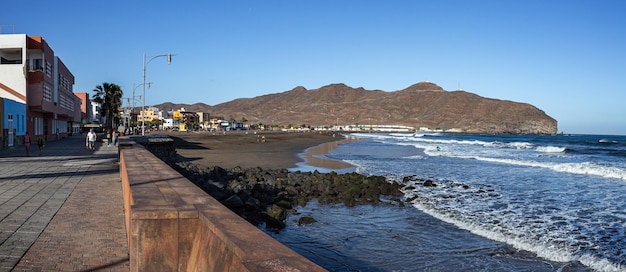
x,y
423,104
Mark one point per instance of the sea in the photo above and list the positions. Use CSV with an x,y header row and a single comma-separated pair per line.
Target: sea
x,y
501,203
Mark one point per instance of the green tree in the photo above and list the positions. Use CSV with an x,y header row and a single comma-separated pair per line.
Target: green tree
x,y
109,96
156,122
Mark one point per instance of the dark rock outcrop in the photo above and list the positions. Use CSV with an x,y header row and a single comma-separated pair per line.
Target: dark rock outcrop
x,y
305,220
267,195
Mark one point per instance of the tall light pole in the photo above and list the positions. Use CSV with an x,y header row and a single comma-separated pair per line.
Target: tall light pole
x,y
139,96
143,87
134,98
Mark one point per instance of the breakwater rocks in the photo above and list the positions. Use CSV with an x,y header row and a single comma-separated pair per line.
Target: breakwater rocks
x,y
268,195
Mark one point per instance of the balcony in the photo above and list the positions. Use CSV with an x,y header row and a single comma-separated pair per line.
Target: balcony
x,y
35,76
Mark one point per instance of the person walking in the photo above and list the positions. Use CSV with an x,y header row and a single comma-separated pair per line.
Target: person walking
x,y
108,138
27,143
91,140
40,143
115,136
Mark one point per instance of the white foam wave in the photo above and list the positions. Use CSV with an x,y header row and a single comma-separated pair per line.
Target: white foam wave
x,y
448,142
443,147
543,251
550,252
519,145
426,134
551,149
374,135
586,168
507,145
358,167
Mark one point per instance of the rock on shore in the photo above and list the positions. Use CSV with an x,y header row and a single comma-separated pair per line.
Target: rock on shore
x,y
267,195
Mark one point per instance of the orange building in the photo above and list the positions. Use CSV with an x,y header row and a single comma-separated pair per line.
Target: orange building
x,y
86,115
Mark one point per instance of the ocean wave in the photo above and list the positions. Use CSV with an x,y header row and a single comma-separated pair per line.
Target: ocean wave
x,y
605,141
509,225
519,145
551,252
496,153
375,136
551,149
493,144
427,134
585,168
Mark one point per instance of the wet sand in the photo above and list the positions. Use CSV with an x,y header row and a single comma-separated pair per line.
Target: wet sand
x,y
236,148
312,157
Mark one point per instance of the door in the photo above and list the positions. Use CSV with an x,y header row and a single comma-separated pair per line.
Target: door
x,y
11,132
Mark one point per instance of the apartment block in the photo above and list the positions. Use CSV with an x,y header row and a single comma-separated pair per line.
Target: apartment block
x,y
31,74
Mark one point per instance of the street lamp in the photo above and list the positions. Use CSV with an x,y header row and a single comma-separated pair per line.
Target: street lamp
x,y
128,111
134,98
139,96
143,86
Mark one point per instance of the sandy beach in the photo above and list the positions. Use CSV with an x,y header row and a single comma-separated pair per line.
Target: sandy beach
x,y
236,148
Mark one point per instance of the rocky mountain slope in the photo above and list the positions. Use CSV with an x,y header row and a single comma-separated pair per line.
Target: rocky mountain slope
x,y
420,105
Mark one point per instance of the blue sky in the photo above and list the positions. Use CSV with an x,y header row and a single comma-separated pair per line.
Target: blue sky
x,y
567,58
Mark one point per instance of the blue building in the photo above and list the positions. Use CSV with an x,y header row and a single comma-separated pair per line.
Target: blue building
x,y
13,122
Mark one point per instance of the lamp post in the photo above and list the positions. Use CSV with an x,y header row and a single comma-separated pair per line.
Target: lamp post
x,y
128,111
136,99
143,87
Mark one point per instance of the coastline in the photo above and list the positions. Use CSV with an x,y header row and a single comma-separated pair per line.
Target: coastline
x,y
313,159
290,150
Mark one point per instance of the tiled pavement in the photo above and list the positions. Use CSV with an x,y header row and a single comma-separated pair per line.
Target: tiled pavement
x,y
62,210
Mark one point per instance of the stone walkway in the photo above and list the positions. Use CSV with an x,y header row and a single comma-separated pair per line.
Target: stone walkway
x,y
62,210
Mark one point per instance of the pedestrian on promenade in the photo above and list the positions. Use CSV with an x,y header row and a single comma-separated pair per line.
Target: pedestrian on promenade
x,y
27,143
115,135
40,143
91,140
108,138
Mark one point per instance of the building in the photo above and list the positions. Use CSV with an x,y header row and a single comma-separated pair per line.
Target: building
x,y
149,114
12,122
31,74
95,110
86,110
205,119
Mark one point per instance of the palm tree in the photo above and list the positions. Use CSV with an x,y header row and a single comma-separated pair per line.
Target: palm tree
x,y
109,96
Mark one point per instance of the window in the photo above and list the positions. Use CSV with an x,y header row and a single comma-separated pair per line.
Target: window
x,y
47,93
38,126
66,102
11,56
48,69
36,64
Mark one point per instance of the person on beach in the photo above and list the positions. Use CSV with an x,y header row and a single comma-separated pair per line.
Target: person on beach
x,y
27,143
40,143
91,140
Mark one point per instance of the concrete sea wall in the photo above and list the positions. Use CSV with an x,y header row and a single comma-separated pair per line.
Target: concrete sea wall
x,y
172,225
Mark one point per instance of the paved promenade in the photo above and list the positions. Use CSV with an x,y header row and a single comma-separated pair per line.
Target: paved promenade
x,y
62,210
